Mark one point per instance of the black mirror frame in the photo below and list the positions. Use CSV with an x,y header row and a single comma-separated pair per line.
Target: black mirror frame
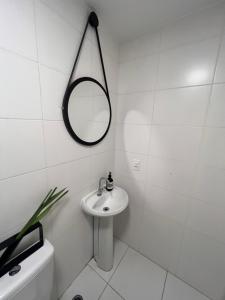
x,y
93,22
66,113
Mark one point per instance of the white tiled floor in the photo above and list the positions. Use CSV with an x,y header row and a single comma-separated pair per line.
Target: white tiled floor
x,y
133,277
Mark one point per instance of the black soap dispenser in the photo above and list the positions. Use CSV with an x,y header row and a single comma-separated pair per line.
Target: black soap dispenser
x,y
109,183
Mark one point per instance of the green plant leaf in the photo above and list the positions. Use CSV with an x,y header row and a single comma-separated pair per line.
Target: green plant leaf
x,y
53,197
48,202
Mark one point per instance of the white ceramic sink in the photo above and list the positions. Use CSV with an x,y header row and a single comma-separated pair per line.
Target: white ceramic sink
x,y
108,204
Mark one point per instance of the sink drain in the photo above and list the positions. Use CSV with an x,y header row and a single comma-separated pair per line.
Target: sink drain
x,y
105,208
78,297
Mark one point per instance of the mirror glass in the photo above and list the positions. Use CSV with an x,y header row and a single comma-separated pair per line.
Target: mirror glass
x,y
89,111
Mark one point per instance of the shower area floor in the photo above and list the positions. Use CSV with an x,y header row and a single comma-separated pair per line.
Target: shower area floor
x,y
133,277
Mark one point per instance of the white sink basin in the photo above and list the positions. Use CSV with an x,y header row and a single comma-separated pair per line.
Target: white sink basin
x,y
108,204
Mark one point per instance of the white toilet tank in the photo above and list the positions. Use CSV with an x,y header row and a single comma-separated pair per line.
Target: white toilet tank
x,y
35,279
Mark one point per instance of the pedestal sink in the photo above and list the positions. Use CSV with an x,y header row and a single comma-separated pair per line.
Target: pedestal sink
x,y
103,208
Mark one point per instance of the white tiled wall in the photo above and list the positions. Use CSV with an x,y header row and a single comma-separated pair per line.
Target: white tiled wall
x,y
38,44
171,118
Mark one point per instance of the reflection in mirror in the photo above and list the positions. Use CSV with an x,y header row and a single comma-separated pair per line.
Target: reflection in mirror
x,y
88,111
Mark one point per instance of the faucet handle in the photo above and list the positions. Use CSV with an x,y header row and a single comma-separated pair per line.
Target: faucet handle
x,y
100,186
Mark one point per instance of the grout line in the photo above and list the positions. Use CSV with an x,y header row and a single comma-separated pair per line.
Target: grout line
x,y
107,282
189,285
162,50
56,165
168,272
102,291
118,264
155,124
40,86
97,272
116,292
72,26
152,261
164,286
62,17
22,174
20,119
169,88
114,270
54,69
68,286
12,52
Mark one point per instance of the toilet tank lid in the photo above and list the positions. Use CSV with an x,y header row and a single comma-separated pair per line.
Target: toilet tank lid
x,y
30,267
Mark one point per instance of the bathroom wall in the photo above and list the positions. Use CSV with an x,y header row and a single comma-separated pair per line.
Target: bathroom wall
x,y
170,148
38,45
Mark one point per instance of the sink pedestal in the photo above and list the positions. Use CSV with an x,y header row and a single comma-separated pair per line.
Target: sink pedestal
x,y
104,207
103,242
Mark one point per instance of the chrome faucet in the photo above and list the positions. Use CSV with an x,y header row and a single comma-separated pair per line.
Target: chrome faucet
x,y
100,186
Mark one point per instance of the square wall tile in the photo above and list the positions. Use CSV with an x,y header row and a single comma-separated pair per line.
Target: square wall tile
x,y
135,108
212,150
199,25
53,86
127,225
162,239
171,174
135,275
68,214
130,164
175,142
202,264
108,43
107,144
167,203
140,47
96,62
17,29
220,73
74,175
209,185
22,147
20,197
101,165
216,113
185,106
138,75
57,41
132,138
175,289
207,219
88,284
67,265
111,69
60,147
74,12
188,65
84,65
20,89
114,103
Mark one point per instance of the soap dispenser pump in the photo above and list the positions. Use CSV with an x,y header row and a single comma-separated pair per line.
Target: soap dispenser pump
x,y
109,182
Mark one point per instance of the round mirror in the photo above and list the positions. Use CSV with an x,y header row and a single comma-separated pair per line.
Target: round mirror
x,y
87,111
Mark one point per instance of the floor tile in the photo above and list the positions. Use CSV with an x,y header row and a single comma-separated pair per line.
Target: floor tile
x,y
137,276
176,289
110,294
119,250
88,284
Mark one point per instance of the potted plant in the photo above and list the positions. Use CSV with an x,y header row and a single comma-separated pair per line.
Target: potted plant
x,y
49,201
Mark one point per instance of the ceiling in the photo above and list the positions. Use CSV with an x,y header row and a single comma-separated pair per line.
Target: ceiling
x,y
128,19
